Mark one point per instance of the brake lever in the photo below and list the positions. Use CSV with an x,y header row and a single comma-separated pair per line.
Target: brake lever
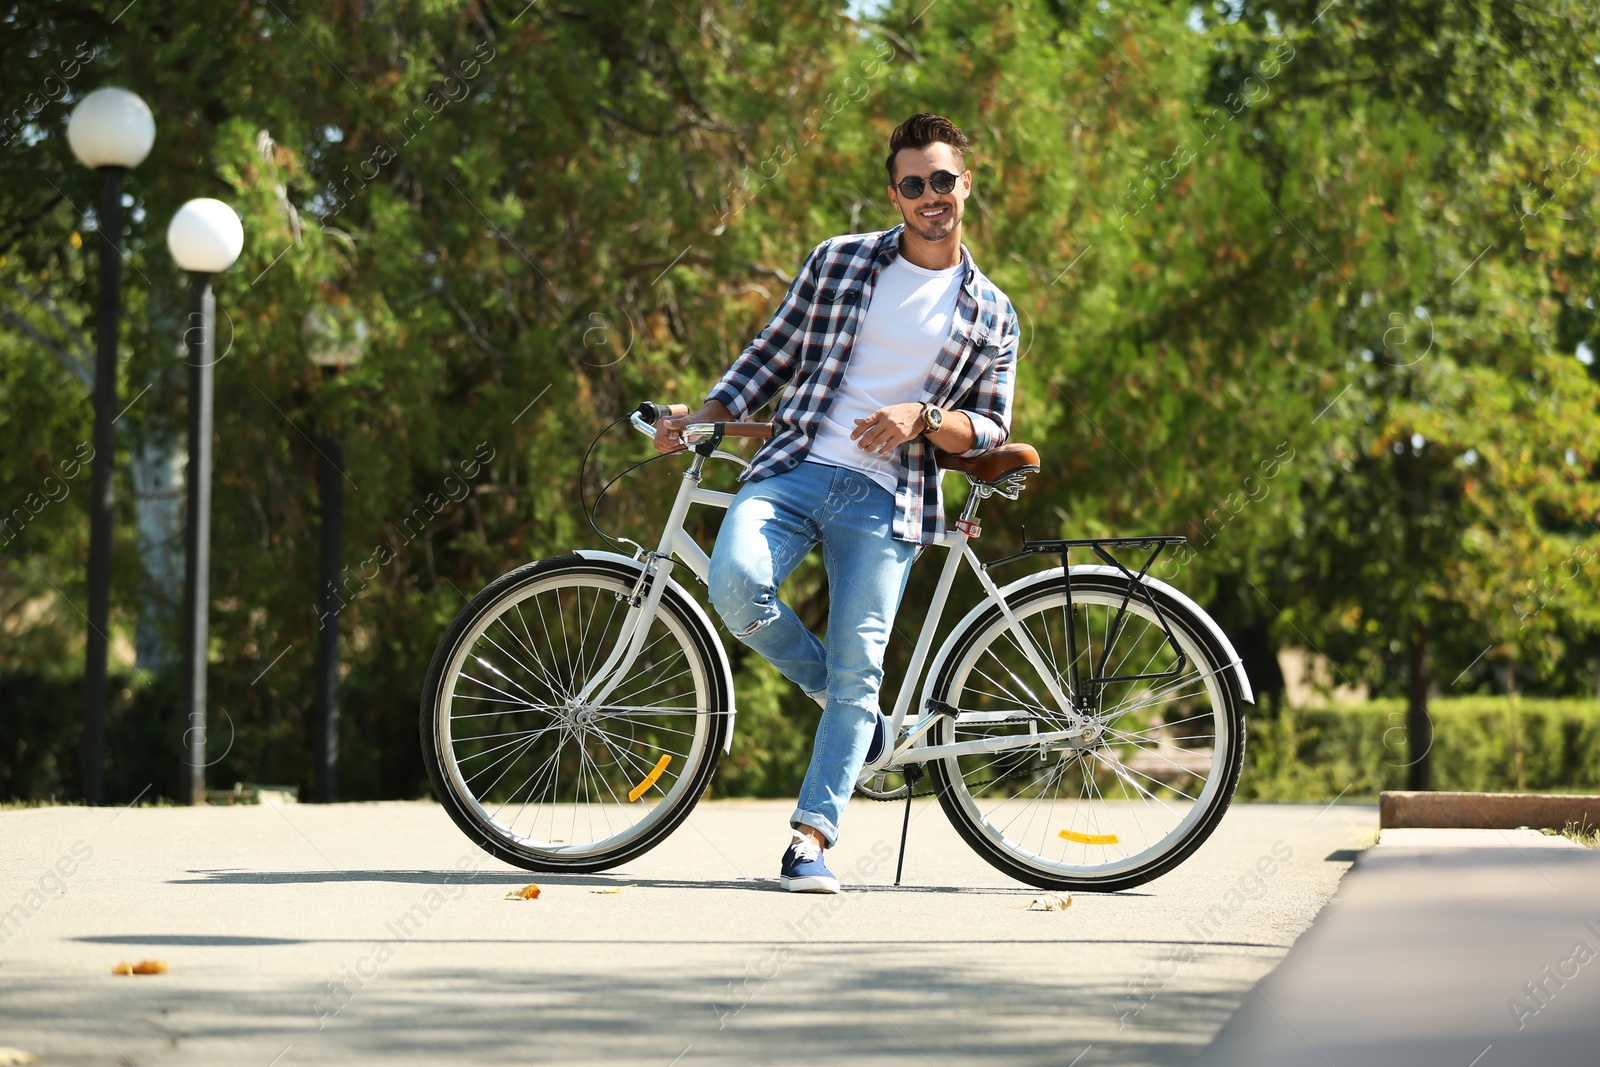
x,y
700,431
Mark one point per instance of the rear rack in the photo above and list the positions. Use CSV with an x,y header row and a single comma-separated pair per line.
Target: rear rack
x,y
1086,691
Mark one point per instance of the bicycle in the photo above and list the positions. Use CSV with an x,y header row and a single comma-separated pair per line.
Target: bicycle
x,y
576,708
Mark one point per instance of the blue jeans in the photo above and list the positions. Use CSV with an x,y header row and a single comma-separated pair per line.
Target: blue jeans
x,y
770,527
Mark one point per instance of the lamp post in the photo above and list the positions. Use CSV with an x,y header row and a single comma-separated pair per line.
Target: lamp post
x,y
111,130
334,341
204,237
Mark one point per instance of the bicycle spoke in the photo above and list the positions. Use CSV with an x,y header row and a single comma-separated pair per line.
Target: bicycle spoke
x,y
520,735
1132,647
1120,767
543,671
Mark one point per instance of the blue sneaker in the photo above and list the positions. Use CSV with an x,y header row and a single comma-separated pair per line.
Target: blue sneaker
x,y
803,870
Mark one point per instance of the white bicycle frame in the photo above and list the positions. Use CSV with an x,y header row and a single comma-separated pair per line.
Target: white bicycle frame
x,y
676,542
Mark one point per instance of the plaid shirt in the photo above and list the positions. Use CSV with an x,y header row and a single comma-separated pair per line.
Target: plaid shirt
x,y
805,351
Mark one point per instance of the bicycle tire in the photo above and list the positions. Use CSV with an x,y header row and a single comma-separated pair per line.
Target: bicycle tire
x,y
966,785
616,751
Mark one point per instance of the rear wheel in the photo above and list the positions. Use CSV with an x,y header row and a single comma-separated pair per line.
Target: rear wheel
x,y
1144,783
532,775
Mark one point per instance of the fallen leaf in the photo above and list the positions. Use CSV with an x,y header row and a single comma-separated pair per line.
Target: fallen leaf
x,y
10,1057
616,889
1048,902
527,892
142,967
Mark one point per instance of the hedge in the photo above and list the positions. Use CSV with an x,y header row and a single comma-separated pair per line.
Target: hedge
x,y
1490,744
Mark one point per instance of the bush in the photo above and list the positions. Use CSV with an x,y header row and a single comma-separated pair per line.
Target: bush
x,y
1480,744
41,721
39,733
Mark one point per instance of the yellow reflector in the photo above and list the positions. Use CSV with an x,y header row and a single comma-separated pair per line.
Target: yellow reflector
x,y
1088,839
650,779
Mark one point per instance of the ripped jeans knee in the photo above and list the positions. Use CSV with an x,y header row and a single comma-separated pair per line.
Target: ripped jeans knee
x,y
744,606
754,626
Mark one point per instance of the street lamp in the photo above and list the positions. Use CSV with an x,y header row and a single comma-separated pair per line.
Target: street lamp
x,y
111,130
205,237
334,340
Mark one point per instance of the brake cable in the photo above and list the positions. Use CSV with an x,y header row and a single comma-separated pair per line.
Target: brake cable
x,y
583,470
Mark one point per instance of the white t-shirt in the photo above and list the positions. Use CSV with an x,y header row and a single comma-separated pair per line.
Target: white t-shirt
x,y
905,326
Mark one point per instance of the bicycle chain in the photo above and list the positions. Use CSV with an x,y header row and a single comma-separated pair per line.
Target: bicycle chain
x,y
1020,769
934,792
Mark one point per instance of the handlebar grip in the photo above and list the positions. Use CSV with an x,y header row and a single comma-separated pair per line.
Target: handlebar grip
x,y
758,430
651,412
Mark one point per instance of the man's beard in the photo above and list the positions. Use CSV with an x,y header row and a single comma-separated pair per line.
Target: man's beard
x,y
938,229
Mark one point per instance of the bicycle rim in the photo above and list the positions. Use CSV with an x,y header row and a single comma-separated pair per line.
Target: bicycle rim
x,y
1107,811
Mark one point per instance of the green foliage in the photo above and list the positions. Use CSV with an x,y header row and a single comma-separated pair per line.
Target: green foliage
x,y
40,729
1481,744
1217,230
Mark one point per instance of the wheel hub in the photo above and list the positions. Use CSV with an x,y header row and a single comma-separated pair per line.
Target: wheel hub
x,y
576,716
1091,735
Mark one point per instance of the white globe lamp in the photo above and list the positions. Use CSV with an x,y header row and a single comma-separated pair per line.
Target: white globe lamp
x,y
111,128
205,236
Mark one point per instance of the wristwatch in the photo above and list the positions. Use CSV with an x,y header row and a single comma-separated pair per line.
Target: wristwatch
x,y
932,418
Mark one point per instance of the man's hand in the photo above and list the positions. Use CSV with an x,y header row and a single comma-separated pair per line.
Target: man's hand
x,y
669,431
888,428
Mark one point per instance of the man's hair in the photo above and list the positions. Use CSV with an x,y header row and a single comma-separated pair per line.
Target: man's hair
x,y
922,130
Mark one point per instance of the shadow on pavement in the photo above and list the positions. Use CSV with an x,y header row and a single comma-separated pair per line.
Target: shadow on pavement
x,y
910,1012
760,885
230,941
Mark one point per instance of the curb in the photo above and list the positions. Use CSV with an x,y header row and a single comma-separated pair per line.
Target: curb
x,y
1486,811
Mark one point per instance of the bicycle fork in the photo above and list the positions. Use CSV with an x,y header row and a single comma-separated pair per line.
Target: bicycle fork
x,y
643,601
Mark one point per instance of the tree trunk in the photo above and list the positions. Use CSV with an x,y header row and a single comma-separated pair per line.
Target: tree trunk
x,y
156,464
157,460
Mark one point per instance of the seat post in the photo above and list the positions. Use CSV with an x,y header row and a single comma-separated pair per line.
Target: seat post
x,y
979,491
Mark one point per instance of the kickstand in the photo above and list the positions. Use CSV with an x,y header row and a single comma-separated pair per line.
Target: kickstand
x,y
911,772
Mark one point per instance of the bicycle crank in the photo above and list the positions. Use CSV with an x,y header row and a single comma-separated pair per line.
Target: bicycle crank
x,y
879,786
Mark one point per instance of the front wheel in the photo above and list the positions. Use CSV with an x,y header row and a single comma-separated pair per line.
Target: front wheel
x,y
1150,775
540,779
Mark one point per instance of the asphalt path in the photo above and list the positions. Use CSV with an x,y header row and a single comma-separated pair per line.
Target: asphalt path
x,y
377,933
1445,948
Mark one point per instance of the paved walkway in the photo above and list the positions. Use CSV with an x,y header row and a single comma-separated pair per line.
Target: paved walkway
x,y
377,934
1443,948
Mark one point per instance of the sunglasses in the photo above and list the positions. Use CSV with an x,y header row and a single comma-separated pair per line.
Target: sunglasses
x,y
911,186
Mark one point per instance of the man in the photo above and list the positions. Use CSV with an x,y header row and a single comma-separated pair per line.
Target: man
x,y
887,347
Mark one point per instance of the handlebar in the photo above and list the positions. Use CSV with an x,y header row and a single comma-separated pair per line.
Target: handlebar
x,y
647,414
651,412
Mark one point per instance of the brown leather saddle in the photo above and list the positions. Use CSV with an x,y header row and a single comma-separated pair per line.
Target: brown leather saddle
x,y
1016,460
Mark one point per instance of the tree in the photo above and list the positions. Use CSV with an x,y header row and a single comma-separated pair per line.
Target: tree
x,y
545,214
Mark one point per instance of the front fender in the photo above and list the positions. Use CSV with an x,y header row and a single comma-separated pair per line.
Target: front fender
x,y
1054,574
694,606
